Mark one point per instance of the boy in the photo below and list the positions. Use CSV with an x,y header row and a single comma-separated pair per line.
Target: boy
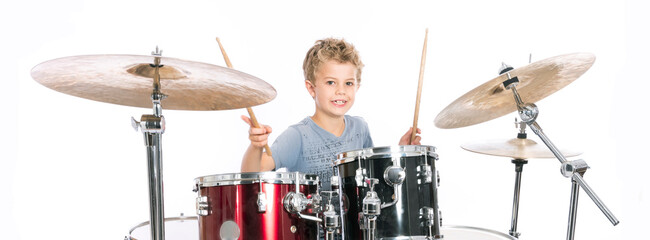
x,y
332,71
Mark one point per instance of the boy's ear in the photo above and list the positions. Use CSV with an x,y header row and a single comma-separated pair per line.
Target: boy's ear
x,y
310,88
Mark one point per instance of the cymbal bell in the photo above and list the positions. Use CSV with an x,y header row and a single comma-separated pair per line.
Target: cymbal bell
x,y
128,80
536,81
517,148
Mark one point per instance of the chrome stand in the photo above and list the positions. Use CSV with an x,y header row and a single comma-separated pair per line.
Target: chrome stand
x,y
519,167
153,126
573,210
574,169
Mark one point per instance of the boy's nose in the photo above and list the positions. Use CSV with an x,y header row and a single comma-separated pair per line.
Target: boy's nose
x,y
340,90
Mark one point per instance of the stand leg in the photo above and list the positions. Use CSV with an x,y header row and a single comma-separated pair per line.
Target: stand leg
x,y
573,210
519,167
156,203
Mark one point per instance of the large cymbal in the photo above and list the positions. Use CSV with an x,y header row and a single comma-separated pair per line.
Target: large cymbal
x,y
128,80
536,81
517,148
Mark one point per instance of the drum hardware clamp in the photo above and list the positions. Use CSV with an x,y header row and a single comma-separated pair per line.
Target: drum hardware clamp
x,y
394,177
296,202
371,209
330,218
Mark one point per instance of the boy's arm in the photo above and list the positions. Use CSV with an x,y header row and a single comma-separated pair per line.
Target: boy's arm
x,y
254,159
406,139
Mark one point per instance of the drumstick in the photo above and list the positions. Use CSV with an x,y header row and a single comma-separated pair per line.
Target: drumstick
x,y
250,110
417,99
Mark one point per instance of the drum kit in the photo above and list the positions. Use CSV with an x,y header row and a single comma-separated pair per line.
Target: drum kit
x,y
377,193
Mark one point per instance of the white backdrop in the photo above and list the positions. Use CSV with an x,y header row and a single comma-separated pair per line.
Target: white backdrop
x,y
74,168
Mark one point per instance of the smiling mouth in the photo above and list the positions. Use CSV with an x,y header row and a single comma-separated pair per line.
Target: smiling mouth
x,y
339,102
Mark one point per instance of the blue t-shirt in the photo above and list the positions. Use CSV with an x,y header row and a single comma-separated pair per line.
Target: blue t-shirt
x,y
307,148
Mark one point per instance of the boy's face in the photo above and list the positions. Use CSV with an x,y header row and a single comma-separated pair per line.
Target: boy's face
x,y
334,88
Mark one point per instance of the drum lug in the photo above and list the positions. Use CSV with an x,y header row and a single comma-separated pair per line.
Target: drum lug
x,y
360,177
429,218
261,202
202,206
425,174
261,198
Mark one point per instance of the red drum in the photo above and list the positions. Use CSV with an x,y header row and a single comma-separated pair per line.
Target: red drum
x,y
251,206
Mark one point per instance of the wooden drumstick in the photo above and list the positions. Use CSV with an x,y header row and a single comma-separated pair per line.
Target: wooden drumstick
x,y
417,99
250,110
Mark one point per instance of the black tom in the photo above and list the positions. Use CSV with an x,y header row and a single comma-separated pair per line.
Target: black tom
x,y
404,180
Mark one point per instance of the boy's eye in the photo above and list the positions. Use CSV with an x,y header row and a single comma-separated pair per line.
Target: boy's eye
x,y
349,83
329,82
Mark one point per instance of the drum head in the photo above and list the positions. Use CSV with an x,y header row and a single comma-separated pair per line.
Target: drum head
x,y
256,177
176,228
386,152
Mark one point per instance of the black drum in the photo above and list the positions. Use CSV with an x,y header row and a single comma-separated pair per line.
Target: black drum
x,y
404,202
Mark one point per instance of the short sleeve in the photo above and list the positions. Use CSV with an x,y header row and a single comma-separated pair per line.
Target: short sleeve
x,y
286,148
367,140
367,143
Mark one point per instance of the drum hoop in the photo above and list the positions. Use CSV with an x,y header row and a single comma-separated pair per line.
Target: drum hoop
x,y
505,236
482,230
383,152
180,218
256,177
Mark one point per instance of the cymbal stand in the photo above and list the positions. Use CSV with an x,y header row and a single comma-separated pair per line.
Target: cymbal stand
x,y
571,169
519,168
153,126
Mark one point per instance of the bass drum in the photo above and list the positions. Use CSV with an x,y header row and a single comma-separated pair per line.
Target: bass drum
x,y
176,228
472,233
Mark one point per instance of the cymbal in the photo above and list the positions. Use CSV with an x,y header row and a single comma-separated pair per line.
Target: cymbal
x,y
516,148
536,81
128,80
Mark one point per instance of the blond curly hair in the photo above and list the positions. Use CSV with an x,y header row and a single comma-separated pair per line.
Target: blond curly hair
x,y
330,49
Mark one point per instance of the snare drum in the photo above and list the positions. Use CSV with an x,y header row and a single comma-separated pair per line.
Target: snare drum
x,y
251,206
405,185
176,228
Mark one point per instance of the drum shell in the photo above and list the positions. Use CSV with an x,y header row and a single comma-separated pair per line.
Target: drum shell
x,y
238,203
401,219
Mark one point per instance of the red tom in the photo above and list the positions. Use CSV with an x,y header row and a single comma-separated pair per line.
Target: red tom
x,y
252,206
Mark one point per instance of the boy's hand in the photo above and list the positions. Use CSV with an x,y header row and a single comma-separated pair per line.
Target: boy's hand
x,y
258,136
406,139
